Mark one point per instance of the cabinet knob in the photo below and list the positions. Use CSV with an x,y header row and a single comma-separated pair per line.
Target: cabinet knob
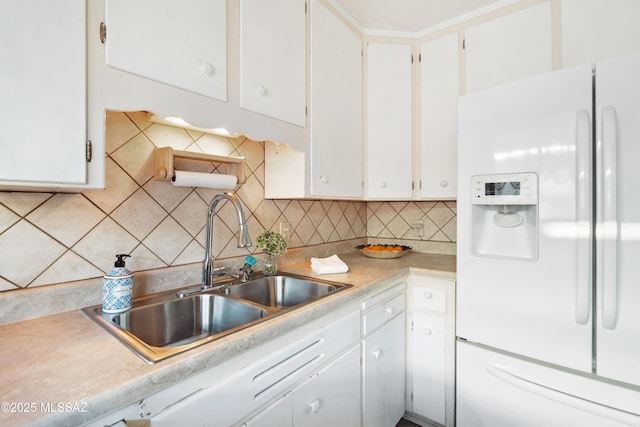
x,y
262,91
443,183
428,295
324,179
383,184
377,353
314,406
389,310
208,68
427,331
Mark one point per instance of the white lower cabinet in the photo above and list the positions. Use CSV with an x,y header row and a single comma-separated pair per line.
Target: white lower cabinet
x,y
431,350
330,397
384,368
429,379
383,358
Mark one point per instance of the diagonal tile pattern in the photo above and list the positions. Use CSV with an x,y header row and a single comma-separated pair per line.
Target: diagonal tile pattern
x,y
55,238
396,219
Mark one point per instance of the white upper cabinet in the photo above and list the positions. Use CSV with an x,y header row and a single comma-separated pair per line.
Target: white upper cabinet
x,y
509,48
389,123
330,163
593,30
273,58
438,117
43,88
182,45
44,95
336,106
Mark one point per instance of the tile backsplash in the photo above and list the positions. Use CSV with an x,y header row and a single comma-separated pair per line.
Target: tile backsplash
x,y
52,238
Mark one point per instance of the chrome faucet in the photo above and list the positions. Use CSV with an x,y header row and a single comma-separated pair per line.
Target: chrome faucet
x,y
244,241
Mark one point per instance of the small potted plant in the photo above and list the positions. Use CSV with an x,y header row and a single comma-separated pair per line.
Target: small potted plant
x,y
272,244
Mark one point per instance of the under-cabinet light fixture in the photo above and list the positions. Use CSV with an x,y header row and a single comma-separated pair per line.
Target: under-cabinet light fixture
x,y
179,122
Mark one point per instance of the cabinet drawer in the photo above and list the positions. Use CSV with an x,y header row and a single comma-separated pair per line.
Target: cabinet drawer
x,y
383,313
430,299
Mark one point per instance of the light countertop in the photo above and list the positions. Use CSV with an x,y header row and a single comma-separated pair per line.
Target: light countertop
x,y
64,369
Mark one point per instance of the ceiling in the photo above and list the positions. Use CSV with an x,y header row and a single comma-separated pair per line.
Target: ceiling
x,y
407,15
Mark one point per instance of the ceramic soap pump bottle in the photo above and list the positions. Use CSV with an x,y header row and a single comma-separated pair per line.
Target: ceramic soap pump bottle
x,y
117,290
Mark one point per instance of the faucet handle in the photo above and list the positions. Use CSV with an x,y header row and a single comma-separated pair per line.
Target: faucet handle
x,y
246,270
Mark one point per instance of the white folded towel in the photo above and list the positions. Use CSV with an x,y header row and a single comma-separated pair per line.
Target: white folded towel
x,y
329,265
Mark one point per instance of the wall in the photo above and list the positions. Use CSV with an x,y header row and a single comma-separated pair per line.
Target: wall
x,y
48,238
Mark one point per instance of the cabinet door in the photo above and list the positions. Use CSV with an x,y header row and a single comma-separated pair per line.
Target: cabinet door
x,y
336,106
593,30
43,88
181,45
439,100
278,414
429,366
509,48
332,396
384,373
389,124
273,58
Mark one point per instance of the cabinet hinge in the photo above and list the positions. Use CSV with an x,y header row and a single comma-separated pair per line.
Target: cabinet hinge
x,y
413,185
412,58
305,8
103,33
412,330
88,151
420,57
412,397
464,43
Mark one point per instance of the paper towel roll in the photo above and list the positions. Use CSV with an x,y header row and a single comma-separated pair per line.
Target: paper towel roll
x,y
207,180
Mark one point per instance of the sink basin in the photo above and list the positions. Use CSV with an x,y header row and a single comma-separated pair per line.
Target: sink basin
x,y
186,320
164,325
281,291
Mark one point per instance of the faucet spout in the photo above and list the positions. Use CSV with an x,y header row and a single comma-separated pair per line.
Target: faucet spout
x,y
244,240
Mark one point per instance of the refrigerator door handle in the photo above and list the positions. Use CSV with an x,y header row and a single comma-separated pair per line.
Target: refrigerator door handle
x,y
563,397
583,210
610,219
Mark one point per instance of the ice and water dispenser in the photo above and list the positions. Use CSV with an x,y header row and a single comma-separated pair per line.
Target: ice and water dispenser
x,y
504,215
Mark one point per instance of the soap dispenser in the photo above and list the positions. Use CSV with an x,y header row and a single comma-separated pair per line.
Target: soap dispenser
x,y
118,287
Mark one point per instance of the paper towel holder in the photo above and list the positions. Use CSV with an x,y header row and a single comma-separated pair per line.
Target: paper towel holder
x,y
163,162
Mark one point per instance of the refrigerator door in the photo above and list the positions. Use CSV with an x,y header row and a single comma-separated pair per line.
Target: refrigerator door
x,y
540,306
618,219
497,390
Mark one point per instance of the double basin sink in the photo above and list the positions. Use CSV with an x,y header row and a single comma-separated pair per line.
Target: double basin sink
x,y
163,325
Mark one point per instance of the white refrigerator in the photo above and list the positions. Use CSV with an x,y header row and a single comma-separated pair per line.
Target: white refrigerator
x,y
548,252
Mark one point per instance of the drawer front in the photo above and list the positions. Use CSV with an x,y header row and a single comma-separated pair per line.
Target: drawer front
x,y
383,313
430,299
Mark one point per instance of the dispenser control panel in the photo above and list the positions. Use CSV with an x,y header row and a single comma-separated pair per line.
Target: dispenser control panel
x,y
505,189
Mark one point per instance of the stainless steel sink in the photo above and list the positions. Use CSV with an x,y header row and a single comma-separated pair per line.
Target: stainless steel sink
x,y
281,291
163,325
183,321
